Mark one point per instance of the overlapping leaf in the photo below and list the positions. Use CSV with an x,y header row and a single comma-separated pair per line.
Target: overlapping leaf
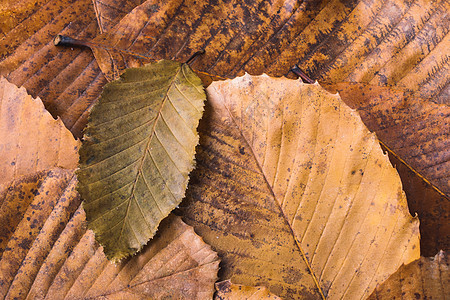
x,y
67,80
425,278
46,251
49,254
295,193
402,43
137,153
30,139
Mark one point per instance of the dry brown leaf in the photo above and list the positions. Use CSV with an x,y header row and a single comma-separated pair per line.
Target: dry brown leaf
x,y
67,80
401,43
225,290
49,254
295,193
30,139
425,278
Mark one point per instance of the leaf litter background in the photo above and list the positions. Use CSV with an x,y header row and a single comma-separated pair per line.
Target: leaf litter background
x,y
406,42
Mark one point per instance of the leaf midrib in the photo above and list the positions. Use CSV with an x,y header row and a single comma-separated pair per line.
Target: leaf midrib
x,y
277,203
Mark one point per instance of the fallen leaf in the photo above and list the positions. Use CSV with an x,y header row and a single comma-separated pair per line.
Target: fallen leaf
x,y
49,254
225,290
295,193
68,80
400,43
425,278
30,139
138,152
110,12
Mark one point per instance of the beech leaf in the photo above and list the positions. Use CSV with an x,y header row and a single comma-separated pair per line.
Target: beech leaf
x,y
137,153
425,278
50,254
30,139
295,193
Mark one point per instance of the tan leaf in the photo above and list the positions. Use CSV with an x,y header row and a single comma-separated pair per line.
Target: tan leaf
x,y
30,139
425,278
49,254
138,152
295,193
68,80
225,290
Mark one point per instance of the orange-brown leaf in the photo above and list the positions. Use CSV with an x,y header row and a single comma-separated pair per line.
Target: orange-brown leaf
x,y
425,278
30,139
110,12
401,43
295,193
49,253
67,80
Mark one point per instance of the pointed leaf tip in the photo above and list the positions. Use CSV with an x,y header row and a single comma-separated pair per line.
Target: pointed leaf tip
x,y
138,152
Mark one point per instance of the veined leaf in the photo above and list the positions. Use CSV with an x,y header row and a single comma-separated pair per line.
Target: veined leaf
x,y
49,254
399,43
109,12
295,193
425,278
30,139
138,150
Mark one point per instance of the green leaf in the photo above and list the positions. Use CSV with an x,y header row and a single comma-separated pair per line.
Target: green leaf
x,y
137,153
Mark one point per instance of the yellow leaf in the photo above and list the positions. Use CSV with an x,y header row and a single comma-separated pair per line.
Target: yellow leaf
x,y
295,193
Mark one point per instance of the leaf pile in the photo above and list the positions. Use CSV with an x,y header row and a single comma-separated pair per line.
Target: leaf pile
x,y
46,250
290,188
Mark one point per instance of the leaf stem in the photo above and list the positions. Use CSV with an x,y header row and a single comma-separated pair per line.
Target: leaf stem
x,y
62,40
297,71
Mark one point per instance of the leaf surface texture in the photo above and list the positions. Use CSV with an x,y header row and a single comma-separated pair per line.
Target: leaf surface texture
x,y
50,254
295,193
30,139
68,80
138,150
